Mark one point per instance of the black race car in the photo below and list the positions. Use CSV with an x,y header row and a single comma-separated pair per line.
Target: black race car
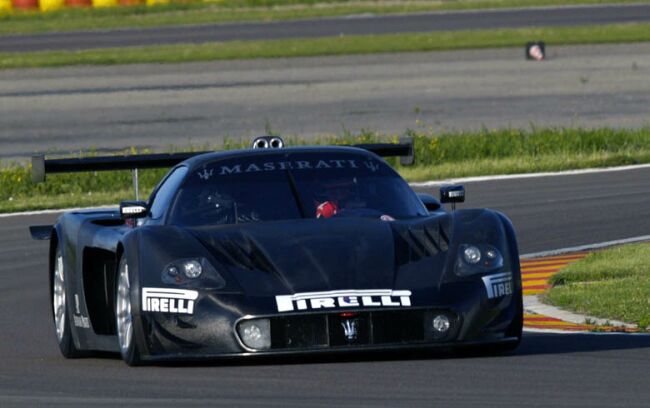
x,y
279,251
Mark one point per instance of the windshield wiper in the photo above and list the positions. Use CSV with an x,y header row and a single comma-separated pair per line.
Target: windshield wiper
x,y
296,195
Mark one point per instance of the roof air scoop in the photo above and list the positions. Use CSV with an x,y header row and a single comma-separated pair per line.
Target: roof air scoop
x,y
268,142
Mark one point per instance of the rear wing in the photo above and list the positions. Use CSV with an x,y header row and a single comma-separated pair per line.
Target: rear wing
x,y
403,150
41,166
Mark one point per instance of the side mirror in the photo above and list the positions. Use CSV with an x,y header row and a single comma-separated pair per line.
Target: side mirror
x,y
133,209
429,202
452,194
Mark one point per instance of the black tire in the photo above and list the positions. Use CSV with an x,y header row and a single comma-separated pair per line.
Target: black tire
x,y
124,317
61,315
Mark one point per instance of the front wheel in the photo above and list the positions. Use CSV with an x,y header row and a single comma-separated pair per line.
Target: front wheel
x,y
124,316
60,309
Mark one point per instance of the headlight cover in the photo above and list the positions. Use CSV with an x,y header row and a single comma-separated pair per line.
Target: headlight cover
x,y
477,258
255,333
192,272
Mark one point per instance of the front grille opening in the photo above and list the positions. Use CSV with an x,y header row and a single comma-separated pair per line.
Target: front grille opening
x,y
299,331
398,327
385,327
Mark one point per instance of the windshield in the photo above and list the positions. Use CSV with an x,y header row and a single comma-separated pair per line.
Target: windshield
x,y
290,186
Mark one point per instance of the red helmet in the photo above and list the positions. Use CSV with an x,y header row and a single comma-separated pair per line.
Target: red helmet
x,y
326,209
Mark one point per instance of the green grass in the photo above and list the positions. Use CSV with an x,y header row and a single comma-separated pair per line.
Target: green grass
x,y
367,44
438,156
612,284
240,10
524,164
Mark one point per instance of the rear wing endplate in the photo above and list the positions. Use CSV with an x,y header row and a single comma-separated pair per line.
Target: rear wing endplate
x,y
404,150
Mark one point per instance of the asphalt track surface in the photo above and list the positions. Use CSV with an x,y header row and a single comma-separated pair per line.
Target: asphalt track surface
x,y
354,25
157,106
548,370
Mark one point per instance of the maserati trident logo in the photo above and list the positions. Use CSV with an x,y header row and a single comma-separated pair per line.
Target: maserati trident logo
x,y
371,166
350,329
205,174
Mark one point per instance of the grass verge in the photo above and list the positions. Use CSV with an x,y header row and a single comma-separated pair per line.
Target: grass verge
x,y
612,284
366,44
438,156
242,10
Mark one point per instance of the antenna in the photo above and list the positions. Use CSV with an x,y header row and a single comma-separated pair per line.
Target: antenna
x,y
136,186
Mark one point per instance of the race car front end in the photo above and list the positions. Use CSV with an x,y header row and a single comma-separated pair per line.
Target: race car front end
x,y
444,287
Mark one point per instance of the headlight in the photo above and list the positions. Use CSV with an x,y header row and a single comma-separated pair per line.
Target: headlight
x,y
472,255
474,259
192,268
255,334
193,272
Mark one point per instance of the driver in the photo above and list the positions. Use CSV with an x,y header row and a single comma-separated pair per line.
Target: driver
x,y
342,196
327,209
337,196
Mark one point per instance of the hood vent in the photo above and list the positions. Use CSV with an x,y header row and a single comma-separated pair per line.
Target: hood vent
x,y
416,242
239,252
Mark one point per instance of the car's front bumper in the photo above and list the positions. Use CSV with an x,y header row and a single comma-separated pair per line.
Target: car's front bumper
x,y
212,331
496,341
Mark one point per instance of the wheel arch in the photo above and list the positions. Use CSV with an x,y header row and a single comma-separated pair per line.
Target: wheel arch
x,y
515,330
54,243
130,247
513,247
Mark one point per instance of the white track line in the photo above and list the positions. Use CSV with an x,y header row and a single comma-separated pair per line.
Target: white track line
x,y
533,305
587,247
528,175
555,331
581,332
